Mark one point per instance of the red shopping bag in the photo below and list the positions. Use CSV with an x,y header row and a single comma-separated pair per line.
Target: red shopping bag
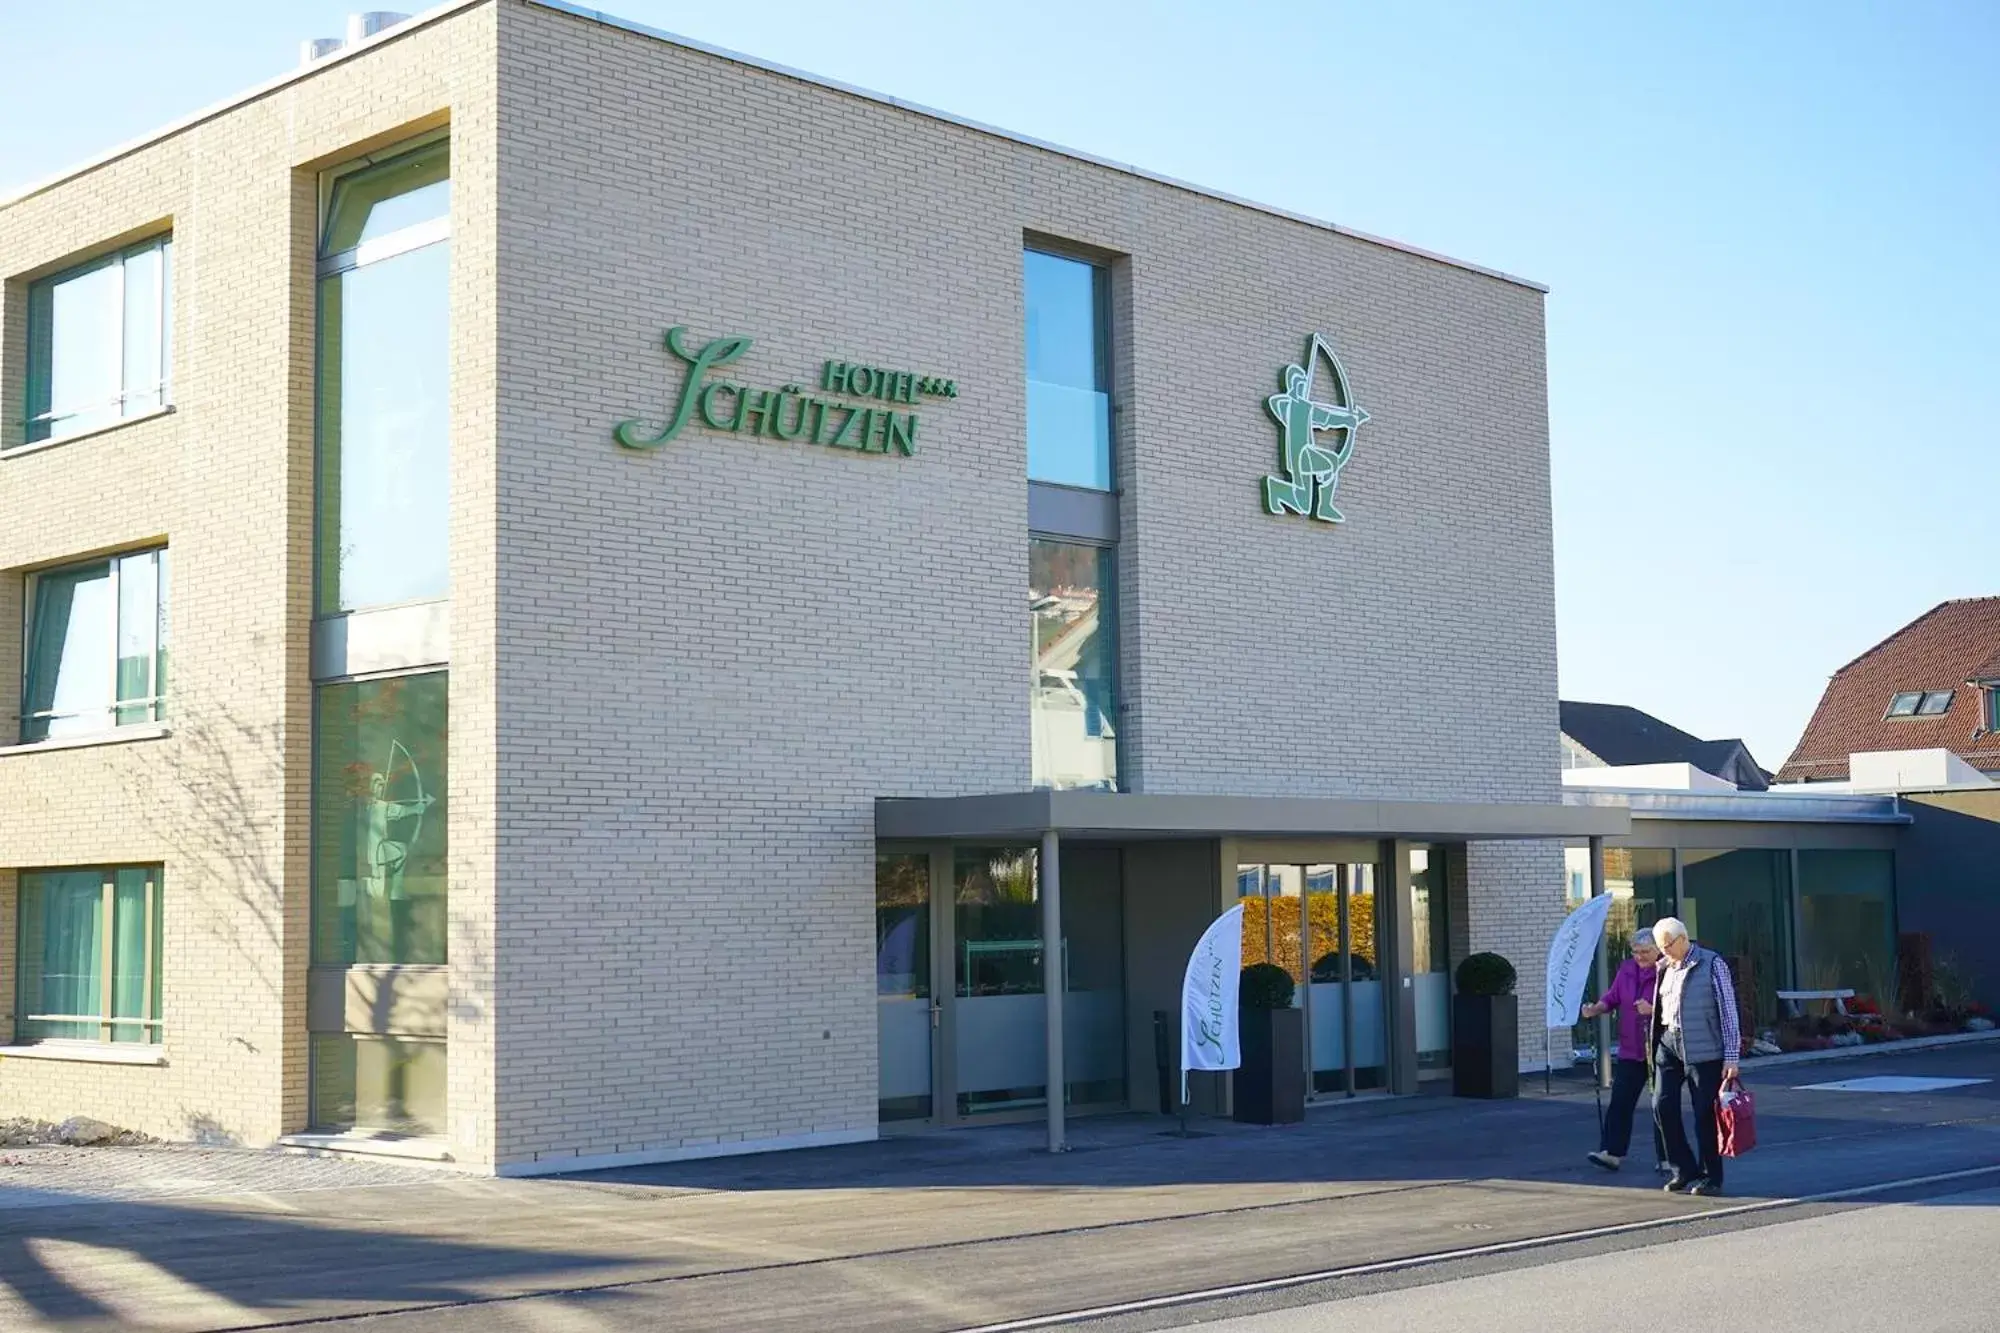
x,y
1735,1118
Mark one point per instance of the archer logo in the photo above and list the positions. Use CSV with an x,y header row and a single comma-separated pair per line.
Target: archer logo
x,y
1316,435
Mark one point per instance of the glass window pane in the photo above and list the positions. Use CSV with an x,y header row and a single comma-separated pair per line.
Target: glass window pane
x,y
903,985
138,635
1904,705
384,451
1738,903
379,820
61,957
1073,703
70,654
85,350
134,954
381,200
1001,1039
384,1084
1937,701
1069,404
144,376
1846,902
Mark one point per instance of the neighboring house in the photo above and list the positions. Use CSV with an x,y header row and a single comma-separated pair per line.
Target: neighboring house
x,y
1617,736
1934,684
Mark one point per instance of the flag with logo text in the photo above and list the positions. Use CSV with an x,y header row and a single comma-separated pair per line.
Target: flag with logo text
x,y
1209,1037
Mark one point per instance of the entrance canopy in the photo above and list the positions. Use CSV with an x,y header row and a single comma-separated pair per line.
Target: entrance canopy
x,y
1124,816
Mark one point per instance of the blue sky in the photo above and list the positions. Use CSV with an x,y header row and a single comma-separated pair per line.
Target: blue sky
x,y
1770,232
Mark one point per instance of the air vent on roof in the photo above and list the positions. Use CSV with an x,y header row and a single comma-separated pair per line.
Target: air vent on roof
x,y
360,27
312,48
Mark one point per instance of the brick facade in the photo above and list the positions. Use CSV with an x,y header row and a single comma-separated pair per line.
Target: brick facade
x,y
680,678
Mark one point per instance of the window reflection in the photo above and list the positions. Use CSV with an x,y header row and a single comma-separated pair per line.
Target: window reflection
x,y
1073,692
1069,403
379,821
384,376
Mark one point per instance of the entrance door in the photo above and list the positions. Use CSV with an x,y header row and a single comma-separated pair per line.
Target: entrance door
x,y
1347,1012
961,1014
1319,923
907,1013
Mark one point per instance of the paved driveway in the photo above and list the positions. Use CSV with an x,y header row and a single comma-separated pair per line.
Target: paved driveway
x,y
943,1232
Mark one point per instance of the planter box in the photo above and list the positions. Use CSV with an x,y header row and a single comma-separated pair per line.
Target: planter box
x,y
1485,1046
1271,1085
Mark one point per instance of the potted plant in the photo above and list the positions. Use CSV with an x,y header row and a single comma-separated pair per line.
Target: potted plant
x,y
1485,1029
1271,1083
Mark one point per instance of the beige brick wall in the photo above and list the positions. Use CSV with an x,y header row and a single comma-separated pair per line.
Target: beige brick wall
x,y
226,480
712,657
680,679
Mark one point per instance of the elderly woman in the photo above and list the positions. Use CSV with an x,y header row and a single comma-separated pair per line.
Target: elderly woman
x,y
1630,996
1697,1041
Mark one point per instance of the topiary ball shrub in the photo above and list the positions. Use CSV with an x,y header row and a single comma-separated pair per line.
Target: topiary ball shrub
x,y
1264,986
1486,974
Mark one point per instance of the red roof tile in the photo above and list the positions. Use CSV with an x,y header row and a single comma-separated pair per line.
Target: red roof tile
x,y
1943,649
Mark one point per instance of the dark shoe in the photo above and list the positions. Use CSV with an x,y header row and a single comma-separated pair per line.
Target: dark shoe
x,y
1680,1184
1705,1187
1609,1161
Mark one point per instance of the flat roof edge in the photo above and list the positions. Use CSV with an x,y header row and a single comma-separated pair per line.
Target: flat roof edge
x,y
980,127
180,123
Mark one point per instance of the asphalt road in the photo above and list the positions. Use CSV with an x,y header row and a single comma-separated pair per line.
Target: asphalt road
x,y
1912,1266
982,1230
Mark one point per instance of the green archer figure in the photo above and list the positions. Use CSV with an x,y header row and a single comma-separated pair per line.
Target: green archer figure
x,y
1309,465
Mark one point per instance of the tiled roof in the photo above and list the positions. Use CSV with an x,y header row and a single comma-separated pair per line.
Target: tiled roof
x,y
1619,734
1947,646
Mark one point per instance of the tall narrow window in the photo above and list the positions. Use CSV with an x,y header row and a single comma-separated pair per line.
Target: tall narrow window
x,y
1073,685
1069,378
88,966
379,821
384,370
96,648
98,342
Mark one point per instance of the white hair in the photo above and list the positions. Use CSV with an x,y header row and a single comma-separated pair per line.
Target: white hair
x,y
1644,935
1669,928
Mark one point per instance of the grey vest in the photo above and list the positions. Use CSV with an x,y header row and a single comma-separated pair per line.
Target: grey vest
x,y
1701,1014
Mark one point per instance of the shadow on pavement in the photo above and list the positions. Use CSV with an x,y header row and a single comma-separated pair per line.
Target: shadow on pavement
x,y
200,1250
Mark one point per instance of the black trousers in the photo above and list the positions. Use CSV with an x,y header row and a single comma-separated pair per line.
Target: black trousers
x,y
1703,1080
1628,1080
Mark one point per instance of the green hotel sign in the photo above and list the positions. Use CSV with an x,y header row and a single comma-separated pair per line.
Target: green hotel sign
x,y
1315,435
855,406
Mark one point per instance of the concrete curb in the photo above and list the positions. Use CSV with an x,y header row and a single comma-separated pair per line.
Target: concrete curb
x,y
1878,1048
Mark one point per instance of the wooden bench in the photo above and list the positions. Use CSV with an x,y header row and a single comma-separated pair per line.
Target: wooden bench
x,y
1796,999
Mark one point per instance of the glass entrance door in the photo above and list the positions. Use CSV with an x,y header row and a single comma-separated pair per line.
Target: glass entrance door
x,y
961,1013
1319,923
1347,1013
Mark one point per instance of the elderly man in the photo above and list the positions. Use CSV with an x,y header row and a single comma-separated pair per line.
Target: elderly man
x,y
1696,1042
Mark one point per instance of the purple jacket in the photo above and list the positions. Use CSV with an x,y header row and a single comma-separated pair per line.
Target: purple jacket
x,y
1632,983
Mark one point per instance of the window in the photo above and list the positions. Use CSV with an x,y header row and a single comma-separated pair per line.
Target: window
x,y
98,342
1069,400
1905,705
1992,693
384,373
97,647
387,1085
1073,691
89,961
379,821
1935,703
